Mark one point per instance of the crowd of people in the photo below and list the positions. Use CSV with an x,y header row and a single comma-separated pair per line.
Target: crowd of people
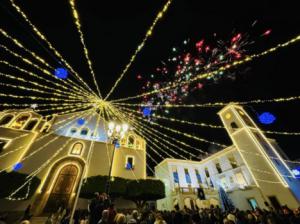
x,y
102,211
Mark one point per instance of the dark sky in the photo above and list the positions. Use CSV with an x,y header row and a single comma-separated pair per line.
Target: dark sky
x,y
113,29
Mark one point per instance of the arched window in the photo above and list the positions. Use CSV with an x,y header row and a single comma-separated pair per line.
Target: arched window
x,y
131,141
234,125
206,172
77,149
20,121
73,131
6,119
31,125
84,131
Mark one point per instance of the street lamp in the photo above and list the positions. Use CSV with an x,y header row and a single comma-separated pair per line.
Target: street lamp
x,y
115,133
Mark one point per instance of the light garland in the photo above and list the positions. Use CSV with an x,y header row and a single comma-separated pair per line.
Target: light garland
x,y
44,71
154,138
177,132
85,50
159,134
70,91
149,32
211,74
42,36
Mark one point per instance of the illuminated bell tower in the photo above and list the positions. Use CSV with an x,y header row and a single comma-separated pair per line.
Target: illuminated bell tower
x,y
269,171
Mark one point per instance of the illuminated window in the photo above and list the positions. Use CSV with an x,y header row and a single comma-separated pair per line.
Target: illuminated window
x,y
206,172
123,141
232,161
187,176
77,148
218,167
84,131
131,141
2,144
6,119
198,177
31,125
175,176
240,179
129,165
73,131
20,121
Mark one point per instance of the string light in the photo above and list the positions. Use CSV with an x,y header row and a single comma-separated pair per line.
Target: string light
x,y
40,35
177,132
151,134
149,32
45,71
85,50
38,85
10,198
70,91
38,58
211,74
166,136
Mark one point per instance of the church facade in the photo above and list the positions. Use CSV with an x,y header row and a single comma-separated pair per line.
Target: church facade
x,y
254,171
61,151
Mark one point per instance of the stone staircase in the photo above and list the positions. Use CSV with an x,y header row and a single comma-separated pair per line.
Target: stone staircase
x,y
38,220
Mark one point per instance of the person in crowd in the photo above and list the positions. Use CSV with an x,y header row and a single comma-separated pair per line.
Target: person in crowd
x,y
159,219
94,209
111,214
178,218
104,218
120,219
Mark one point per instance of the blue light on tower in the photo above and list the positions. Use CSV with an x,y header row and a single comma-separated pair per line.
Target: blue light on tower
x,y
80,121
61,73
17,166
266,118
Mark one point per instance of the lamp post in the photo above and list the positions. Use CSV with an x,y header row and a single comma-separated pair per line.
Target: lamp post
x,y
115,133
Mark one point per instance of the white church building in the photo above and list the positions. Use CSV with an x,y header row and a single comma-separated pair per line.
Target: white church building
x,y
254,171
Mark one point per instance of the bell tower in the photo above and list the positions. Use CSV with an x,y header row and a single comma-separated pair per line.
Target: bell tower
x,y
268,169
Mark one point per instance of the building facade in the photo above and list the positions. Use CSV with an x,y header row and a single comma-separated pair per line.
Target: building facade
x,y
62,151
254,171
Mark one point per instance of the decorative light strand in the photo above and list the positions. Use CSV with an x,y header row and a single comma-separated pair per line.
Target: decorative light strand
x,y
210,74
155,138
69,91
159,16
45,71
42,36
53,90
41,60
176,131
159,134
85,50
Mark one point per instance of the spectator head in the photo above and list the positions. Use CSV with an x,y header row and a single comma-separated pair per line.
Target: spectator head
x,y
135,214
25,222
111,206
120,219
231,217
176,207
105,215
96,194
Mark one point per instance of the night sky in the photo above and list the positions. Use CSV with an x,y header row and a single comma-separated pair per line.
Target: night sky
x,y
113,29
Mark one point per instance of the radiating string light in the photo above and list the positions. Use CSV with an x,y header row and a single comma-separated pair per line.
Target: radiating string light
x,y
149,32
69,91
41,60
176,131
85,50
211,74
159,134
45,71
43,37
